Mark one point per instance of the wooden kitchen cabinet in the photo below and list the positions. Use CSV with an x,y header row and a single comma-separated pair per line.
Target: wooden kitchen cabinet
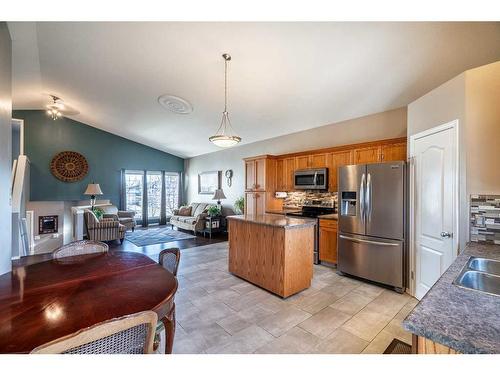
x,y
334,161
289,179
249,174
393,152
255,203
318,160
328,240
280,175
302,162
260,173
311,161
367,155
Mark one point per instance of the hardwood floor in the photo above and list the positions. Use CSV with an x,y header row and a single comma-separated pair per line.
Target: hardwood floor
x,y
151,251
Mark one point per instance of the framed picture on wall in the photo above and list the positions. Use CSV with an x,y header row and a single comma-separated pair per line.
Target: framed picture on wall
x,y
208,182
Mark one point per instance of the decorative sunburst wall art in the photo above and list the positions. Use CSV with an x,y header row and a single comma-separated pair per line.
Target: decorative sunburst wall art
x,y
69,166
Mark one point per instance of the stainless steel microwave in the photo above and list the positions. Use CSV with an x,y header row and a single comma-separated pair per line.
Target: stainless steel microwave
x,y
311,179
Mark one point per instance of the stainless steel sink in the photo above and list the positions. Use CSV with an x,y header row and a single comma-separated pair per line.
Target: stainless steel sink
x,y
480,274
481,281
485,265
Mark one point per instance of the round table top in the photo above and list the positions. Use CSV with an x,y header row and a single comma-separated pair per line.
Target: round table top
x,y
44,301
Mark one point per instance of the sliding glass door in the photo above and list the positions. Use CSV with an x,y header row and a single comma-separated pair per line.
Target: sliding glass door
x,y
154,183
134,191
152,195
172,189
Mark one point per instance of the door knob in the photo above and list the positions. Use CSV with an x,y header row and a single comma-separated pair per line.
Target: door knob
x,y
446,234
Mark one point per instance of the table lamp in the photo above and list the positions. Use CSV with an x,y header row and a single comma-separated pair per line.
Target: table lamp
x,y
219,194
93,190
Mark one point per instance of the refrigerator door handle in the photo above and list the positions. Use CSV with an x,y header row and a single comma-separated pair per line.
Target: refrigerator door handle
x,y
368,197
362,198
368,241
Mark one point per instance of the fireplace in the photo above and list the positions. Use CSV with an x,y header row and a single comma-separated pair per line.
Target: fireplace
x,y
48,224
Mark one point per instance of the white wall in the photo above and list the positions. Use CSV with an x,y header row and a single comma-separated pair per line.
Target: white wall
x,y
473,98
441,105
390,124
482,113
5,148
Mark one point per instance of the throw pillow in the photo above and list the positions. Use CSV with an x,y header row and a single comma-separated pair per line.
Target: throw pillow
x,y
185,211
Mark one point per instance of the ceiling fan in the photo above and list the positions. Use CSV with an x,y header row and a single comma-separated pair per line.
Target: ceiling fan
x,y
57,108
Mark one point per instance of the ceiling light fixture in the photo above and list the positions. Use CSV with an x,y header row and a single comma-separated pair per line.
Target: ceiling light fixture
x,y
53,108
224,137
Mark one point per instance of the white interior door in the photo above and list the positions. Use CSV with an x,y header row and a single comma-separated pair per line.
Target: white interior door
x,y
434,203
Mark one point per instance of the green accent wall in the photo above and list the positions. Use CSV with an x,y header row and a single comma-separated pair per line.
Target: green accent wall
x,y
107,154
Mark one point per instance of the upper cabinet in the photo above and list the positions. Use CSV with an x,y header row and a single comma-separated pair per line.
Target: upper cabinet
x,y
336,160
311,161
364,155
393,152
260,173
270,173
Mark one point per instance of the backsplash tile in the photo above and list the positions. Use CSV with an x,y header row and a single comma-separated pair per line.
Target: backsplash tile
x,y
296,198
485,218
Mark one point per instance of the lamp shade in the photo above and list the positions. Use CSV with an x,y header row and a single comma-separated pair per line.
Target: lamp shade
x,y
219,194
93,189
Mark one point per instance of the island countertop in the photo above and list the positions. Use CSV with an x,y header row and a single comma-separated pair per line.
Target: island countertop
x,y
274,220
462,319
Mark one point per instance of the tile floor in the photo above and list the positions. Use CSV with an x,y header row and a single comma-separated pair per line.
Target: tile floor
x,y
221,313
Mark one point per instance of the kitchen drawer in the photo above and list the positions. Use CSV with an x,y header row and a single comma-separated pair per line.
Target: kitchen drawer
x,y
328,223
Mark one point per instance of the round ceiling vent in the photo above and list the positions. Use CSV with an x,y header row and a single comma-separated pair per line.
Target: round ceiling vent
x,y
175,104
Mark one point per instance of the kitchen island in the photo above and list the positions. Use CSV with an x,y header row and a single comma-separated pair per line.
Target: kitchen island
x,y
451,319
274,252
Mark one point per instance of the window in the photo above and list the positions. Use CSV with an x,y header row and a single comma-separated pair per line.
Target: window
x,y
134,192
172,186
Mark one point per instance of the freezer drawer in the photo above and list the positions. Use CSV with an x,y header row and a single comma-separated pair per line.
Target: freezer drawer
x,y
371,258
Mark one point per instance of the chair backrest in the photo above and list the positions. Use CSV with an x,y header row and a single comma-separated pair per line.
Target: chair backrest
x,y
131,334
169,259
90,219
80,248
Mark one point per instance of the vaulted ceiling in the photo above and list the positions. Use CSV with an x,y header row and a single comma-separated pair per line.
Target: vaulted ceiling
x,y
283,78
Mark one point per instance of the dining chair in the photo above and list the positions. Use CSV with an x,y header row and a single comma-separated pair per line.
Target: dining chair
x,y
169,259
130,334
80,248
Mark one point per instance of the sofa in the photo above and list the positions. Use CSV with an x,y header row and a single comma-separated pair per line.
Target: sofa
x,y
194,221
125,218
104,229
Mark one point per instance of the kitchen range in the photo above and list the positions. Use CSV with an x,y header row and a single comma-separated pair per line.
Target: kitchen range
x,y
314,209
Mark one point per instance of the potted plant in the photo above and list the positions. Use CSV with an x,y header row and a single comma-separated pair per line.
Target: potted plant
x,y
98,212
213,211
239,205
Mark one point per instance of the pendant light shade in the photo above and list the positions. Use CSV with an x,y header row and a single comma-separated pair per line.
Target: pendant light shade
x,y
225,137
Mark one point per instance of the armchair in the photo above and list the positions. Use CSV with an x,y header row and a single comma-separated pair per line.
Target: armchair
x,y
127,218
106,229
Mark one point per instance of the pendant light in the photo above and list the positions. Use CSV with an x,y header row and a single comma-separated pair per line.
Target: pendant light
x,y
224,137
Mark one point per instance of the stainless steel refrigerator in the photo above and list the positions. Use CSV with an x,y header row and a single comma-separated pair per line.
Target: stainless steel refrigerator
x,y
372,222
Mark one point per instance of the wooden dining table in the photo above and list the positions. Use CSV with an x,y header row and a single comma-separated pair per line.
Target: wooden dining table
x,y
44,301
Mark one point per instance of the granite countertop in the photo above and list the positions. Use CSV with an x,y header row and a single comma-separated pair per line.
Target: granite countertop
x,y
283,211
275,220
462,319
329,217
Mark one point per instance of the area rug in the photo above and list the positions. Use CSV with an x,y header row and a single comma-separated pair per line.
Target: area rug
x,y
398,347
153,236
